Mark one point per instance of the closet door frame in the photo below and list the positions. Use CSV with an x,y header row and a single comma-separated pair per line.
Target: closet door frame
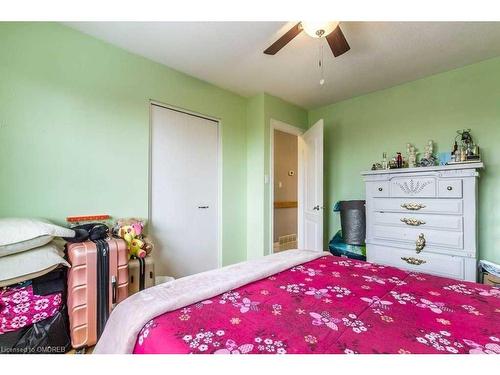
x,y
219,166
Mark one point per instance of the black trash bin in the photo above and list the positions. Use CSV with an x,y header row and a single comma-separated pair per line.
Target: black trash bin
x,y
353,221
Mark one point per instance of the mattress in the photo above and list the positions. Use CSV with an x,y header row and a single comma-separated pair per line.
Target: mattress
x,y
20,307
334,305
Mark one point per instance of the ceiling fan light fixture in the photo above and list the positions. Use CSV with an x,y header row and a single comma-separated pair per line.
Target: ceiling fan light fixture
x,y
319,29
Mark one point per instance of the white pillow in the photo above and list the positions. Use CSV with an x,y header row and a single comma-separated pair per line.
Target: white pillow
x,y
30,264
18,234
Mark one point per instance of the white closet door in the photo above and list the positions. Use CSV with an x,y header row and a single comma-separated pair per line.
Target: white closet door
x,y
184,192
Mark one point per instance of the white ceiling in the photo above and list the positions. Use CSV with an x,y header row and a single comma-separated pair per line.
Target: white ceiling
x,y
229,54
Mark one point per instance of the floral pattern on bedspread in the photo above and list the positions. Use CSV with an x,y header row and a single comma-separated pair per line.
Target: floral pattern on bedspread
x,y
335,305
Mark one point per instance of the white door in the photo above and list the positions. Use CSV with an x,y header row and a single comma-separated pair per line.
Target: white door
x,y
184,192
311,188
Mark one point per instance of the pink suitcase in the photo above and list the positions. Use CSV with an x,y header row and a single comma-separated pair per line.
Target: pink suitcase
x,y
97,280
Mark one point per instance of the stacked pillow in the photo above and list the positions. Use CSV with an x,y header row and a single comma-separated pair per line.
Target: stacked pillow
x,y
27,249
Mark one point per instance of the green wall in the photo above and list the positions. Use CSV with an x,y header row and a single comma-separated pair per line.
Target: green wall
x,y
358,130
255,176
74,128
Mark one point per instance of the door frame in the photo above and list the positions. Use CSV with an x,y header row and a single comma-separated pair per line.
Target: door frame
x,y
219,165
289,129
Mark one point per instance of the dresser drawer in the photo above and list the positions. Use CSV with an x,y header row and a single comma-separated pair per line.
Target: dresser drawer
x,y
378,189
418,220
419,187
438,206
439,238
450,188
436,264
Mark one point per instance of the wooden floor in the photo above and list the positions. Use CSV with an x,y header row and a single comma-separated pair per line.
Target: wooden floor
x,y
79,351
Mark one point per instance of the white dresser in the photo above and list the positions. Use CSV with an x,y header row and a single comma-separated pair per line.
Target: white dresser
x,y
424,219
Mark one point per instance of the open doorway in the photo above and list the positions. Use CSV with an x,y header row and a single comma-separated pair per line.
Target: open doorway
x,y
296,187
285,191
285,186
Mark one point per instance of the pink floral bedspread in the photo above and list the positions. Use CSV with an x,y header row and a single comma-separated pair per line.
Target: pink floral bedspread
x,y
19,307
335,305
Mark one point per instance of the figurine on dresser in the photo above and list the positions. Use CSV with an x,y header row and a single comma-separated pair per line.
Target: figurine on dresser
x,y
412,155
465,152
429,159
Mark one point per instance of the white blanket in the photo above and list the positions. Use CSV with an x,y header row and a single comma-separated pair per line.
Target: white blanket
x,y
132,314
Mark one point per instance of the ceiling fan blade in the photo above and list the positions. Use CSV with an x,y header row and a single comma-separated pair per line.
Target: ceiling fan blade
x,y
284,40
337,42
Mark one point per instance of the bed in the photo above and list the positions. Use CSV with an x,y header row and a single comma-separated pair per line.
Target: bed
x,y
319,304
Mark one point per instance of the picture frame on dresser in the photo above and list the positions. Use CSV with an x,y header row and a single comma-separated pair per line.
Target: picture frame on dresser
x,y
424,219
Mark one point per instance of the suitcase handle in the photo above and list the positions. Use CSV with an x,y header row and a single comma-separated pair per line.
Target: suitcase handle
x,y
113,288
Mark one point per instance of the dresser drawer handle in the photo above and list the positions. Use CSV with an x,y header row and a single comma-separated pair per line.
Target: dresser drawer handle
x,y
380,189
449,188
413,222
420,243
413,206
414,261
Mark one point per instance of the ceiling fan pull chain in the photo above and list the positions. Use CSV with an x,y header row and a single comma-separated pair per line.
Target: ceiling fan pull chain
x,y
320,63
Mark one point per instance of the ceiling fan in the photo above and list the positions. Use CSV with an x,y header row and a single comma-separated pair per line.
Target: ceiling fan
x,y
329,30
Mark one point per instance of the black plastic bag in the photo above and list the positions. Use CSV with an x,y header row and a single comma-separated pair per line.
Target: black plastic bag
x,y
48,336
